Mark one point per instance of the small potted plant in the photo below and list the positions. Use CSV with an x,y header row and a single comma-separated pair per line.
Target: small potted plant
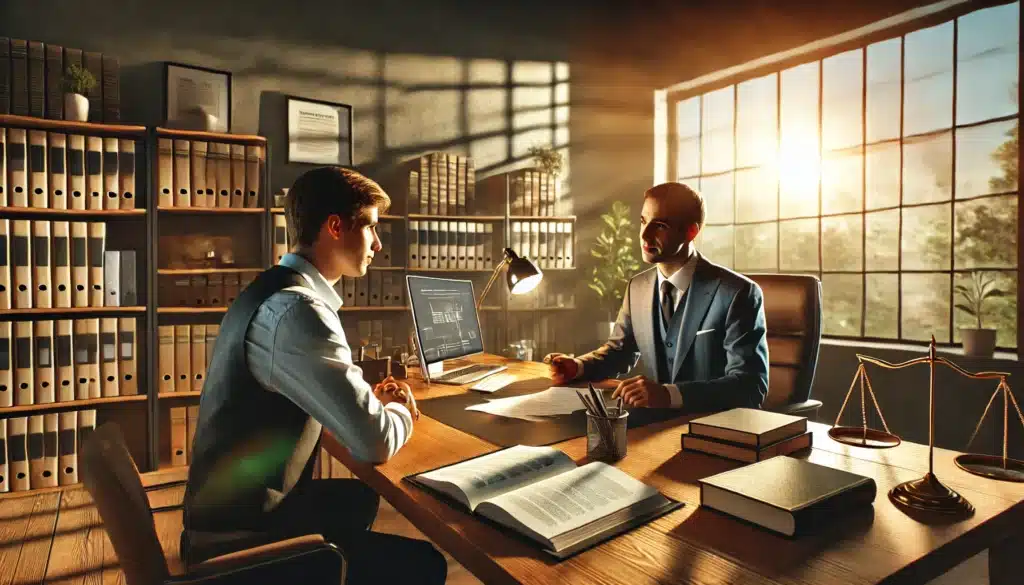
x,y
547,159
616,263
78,81
978,341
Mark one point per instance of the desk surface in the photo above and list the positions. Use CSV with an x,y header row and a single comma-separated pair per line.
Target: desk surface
x,y
699,545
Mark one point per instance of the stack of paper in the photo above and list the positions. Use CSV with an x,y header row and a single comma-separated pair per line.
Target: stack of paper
x,y
554,401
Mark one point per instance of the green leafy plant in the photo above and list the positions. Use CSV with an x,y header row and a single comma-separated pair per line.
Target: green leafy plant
x,y
547,159
974,296
616,263
78,79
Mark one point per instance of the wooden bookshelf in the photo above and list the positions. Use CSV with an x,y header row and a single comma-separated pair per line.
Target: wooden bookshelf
x,y
70,213
542,217
74,311
211,137
201,271
464,270
88,128
191,310
214,210
54,407
388,268
179,395
417,216
374,309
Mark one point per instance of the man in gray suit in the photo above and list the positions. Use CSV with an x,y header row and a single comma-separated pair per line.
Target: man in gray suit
x,y
699,327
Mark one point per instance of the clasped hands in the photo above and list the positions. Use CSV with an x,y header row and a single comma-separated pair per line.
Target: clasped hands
x,y
635,391
391,390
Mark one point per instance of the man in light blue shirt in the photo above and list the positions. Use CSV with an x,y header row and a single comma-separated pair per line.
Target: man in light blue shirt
x,y
281,372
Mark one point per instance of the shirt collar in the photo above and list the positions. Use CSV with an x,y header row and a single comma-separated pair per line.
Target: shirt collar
x,y
681,278
316,280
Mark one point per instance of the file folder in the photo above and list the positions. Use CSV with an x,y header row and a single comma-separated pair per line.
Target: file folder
x,y
61,260
6,364
42,297
21,261
58,179
17,165
64,378
5,264
80,292
109,376
127,362
67,448
97,246
94,171
126,173
17,453
43,376
39,191
76,172
24,393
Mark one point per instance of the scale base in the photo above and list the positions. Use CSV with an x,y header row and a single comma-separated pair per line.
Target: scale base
x,y
863,437
991,466
930,496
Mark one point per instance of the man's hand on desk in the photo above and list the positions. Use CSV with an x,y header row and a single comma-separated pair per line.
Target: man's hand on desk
x,y
391,390
642,391
563,368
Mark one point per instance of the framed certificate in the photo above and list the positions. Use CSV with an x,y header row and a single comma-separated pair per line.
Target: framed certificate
x,y
319,132
191,91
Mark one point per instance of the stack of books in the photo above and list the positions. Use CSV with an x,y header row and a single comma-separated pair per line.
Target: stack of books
x,y
747,434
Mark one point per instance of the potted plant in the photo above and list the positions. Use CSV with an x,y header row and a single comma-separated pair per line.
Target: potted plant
x,y
547,159
78,81
616,263
978,341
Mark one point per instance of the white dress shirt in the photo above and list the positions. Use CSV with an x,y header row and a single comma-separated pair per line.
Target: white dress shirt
x,y
295,345
681,280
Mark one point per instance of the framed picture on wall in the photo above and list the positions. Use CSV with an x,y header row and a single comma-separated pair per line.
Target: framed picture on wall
x,y
319,132
197,98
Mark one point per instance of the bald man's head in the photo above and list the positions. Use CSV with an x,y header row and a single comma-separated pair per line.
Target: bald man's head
x,y
672,216
682,202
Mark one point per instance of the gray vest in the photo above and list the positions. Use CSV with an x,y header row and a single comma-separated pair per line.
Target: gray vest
x,y
666,338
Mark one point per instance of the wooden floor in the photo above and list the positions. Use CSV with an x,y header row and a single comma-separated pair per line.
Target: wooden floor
x,y
57,537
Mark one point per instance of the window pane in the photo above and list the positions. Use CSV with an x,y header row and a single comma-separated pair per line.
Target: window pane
x,y
997,312
842,100
688,117
756,247
799,152
926,237
716,244
756,191
925,303
987,54
881,313
756,121
841,241
883,240
717,130
842,303
717,193
798,245
986,159
688,157
986,233
882,175
928,168
842,181
883,79
928,80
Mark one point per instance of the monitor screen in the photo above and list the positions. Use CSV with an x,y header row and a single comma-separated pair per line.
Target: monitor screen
x,y
444,314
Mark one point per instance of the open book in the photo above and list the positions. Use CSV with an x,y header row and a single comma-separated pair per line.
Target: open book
x,y
540,493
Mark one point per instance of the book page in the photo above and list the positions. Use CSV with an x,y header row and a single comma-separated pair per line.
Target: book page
x,y
476,480
564,502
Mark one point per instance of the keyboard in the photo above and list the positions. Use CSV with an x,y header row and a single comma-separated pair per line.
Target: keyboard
x,y
467,374
494,383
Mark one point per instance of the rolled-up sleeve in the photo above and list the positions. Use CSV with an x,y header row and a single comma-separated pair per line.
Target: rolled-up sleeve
x,y
311,364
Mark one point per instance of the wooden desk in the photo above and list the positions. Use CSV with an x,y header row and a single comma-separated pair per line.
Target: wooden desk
x,y
695,545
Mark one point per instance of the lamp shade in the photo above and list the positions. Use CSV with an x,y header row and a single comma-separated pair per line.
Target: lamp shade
x,y
522,275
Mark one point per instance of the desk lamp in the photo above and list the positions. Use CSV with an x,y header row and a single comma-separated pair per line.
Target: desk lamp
x,y
522,275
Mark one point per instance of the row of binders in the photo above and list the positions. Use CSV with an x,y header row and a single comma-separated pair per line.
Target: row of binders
x,y
183,356
42,450
451,244
533,193
201,290
548,243
63,264
195,173
52,170
281,243
376,289
69,359
442,184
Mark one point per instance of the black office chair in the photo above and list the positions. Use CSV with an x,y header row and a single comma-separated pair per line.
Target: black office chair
x,y
793,314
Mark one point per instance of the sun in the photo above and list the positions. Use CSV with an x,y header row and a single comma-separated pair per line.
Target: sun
x,y
798,164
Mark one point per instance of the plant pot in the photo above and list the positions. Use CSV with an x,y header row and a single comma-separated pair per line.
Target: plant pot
x,y
978,342
76,107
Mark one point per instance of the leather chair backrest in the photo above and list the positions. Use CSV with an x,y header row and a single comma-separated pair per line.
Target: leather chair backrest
x,y
113,481
793,312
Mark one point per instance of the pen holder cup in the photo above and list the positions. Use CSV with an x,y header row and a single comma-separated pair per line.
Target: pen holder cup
x,y
606,436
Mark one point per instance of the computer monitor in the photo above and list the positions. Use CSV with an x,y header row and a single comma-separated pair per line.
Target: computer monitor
x,y
445,318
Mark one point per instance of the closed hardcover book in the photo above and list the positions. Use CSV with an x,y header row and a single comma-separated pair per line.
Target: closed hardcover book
x,y
741,452
749,426
787,495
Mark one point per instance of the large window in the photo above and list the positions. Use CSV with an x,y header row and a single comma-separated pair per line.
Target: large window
x,y
889,170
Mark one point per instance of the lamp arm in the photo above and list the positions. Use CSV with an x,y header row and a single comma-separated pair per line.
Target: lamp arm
x,y
505,261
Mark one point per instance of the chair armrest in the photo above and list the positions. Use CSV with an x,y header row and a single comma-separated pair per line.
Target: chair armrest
x,y
806,408
307,556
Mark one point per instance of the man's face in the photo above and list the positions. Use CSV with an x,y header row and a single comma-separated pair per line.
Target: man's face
x,y
358,242
662,236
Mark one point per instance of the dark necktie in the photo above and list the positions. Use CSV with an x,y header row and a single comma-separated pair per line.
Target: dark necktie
x,y
667,305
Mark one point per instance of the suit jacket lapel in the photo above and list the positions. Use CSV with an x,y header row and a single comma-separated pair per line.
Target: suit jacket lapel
x,y
642,313
698,301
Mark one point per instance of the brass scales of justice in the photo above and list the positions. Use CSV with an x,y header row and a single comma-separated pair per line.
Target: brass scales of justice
x,y
928,494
